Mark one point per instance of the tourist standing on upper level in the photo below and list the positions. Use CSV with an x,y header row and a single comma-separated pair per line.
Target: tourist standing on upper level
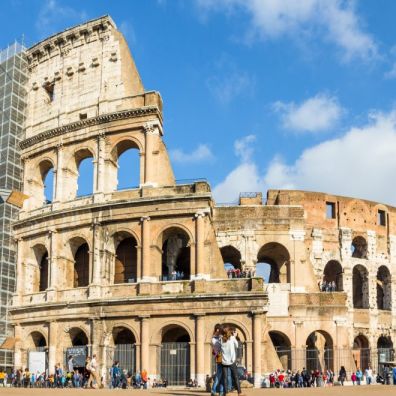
x,y
216,351
229,347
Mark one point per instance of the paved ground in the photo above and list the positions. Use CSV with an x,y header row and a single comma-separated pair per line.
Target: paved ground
x,y
373,390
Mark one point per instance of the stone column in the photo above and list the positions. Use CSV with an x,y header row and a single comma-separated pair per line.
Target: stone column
x,y
52,345
53,267
199,247
257,330
20,269
100,164
59,182
146,251
152,132
18,346
200,349
95,281
145,344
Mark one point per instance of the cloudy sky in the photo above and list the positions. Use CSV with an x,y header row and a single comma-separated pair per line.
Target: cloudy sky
x,y
258,94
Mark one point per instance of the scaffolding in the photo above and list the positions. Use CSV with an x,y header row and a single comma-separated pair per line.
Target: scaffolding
x,y
13,77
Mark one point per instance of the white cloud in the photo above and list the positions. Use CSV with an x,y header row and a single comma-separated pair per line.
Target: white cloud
x,y
335,20
200,154
361,163
53,12
244,178
315,114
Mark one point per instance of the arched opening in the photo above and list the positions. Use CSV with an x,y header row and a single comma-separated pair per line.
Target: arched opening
x,y
319,352
78,337
127,156
176,256
332,276
40,280
38,340
282,347
175,355
125,269
232,261
384,289
124,348
275,259
385,349
81,266
85,168
359,247
360,287
47,177
43,285
361,352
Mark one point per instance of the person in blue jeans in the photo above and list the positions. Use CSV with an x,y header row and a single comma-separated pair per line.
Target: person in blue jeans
x,y
216,351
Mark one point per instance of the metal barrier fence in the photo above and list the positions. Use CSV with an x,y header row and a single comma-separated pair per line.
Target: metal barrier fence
x,y
175,362
334,358
125,354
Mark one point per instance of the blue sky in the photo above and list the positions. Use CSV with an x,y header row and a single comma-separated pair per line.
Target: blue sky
x,y
257,94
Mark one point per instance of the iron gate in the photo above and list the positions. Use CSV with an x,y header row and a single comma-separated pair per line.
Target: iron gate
x,y
125,354
175,362
319,359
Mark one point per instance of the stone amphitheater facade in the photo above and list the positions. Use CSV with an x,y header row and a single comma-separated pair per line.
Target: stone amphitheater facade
x,y
98,271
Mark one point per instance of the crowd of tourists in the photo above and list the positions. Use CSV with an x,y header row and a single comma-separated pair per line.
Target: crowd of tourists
x,y
325,286
317,378
237,273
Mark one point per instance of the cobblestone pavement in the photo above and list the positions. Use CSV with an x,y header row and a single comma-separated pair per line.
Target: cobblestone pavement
x,y
373,390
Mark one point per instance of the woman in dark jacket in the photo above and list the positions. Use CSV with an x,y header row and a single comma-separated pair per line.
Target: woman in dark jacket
x,y
342,375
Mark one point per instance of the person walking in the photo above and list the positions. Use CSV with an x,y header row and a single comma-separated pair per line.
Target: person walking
x,y
229,346
216,351
359,376
342,375
94,375
369,375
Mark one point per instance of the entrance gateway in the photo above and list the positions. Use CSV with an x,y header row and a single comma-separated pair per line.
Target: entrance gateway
x,y
175,356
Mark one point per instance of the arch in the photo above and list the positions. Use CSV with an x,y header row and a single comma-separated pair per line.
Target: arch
x,y
361,352
384,289
84,163
176,254
175,354
164,231
124,348
81,262
385,349
231,257
126,154
46,168
40,282
360,287
78,337
333,272
282,346
37,339
319,352
157,334
277,259
125,266
116,236
122,325
359,247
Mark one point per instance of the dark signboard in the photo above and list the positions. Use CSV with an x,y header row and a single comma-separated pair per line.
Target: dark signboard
x,y
79,354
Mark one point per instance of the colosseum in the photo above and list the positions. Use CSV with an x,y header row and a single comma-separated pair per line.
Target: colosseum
x,y
142,275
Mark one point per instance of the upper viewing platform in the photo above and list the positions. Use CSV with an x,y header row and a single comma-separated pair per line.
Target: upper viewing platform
x,y
82,73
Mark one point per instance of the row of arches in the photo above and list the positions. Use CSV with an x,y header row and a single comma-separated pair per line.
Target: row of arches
x,y
176,259
319,352
273,262
125,156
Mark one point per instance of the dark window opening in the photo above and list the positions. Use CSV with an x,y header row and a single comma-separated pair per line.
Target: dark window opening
x,y
381,218
83,116
50,89
330,210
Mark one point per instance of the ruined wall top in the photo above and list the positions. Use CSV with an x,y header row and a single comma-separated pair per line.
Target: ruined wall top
x,y
81,73
356,214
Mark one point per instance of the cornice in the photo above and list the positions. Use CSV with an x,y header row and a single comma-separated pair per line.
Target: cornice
x,y
74,126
